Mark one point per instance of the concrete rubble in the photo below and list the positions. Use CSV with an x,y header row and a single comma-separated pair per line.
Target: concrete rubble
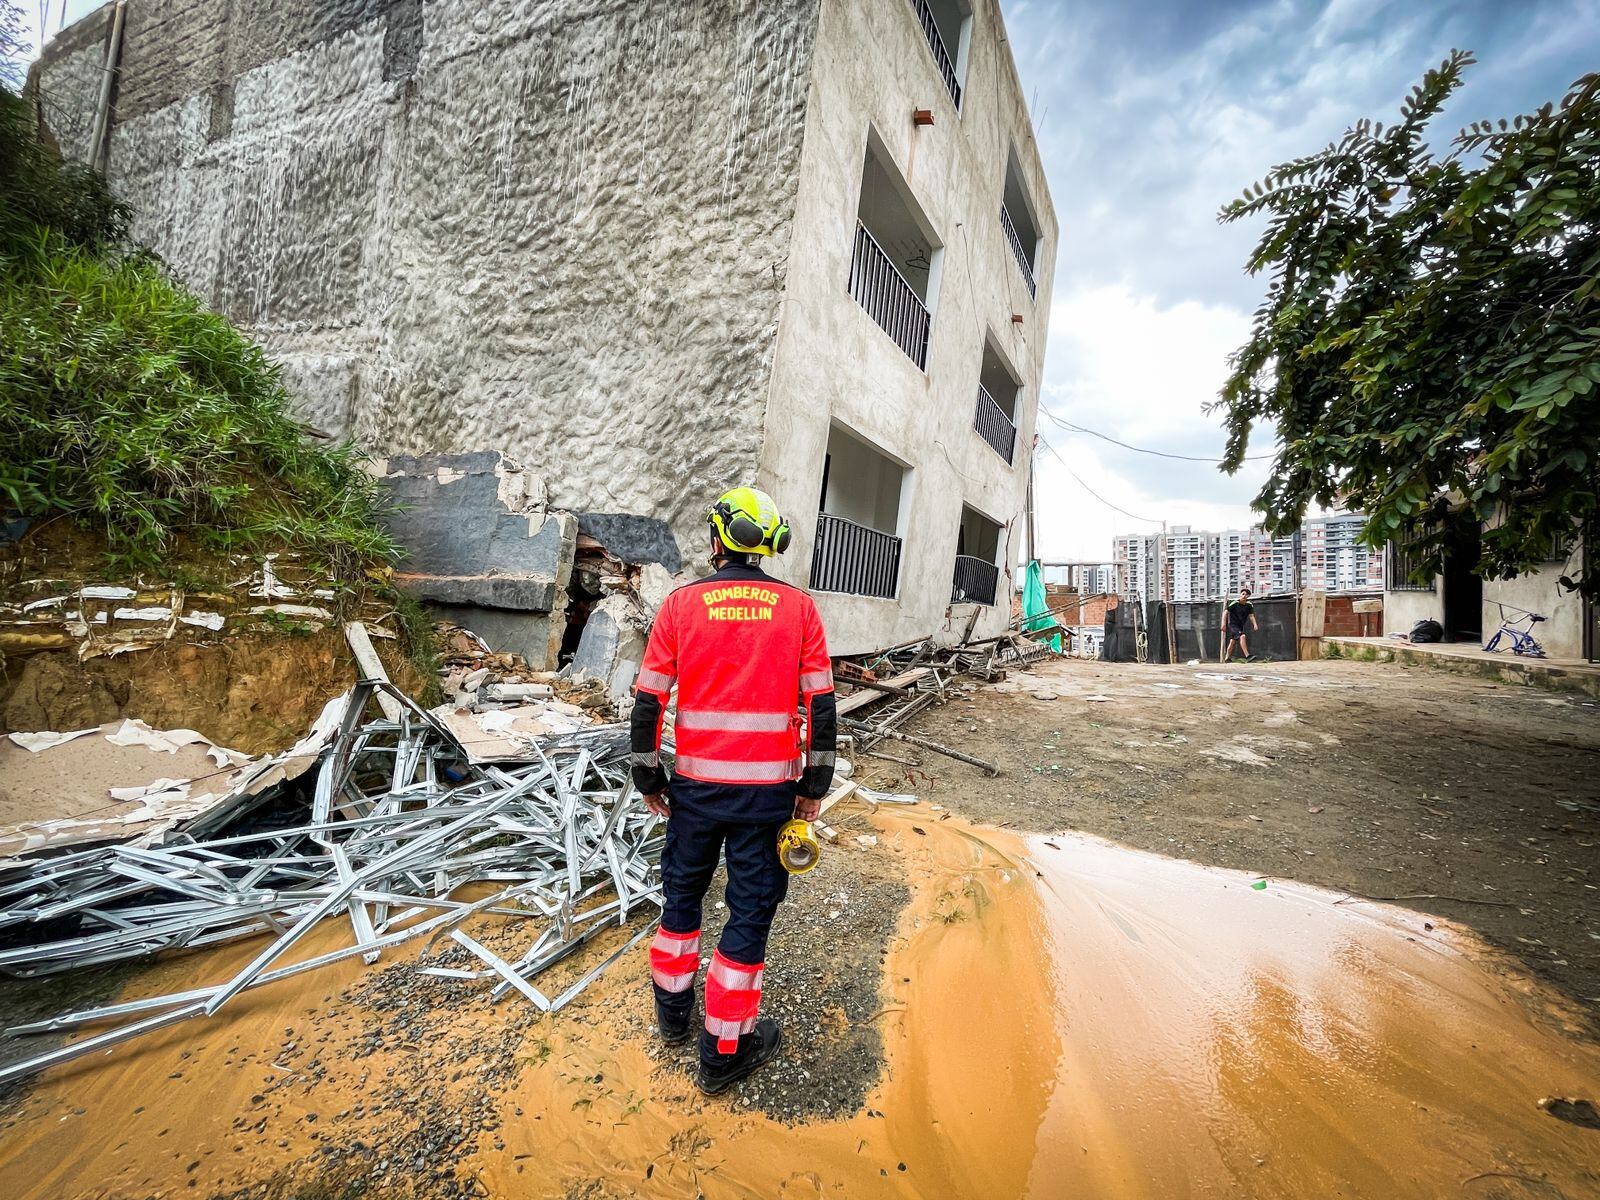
x,y
483,547
376,821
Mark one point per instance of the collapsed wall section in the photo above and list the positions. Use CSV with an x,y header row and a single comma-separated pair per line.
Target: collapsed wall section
x,y
554,230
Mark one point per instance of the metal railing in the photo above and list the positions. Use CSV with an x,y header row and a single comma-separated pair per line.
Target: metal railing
x,y
878,286
975,581
941,56
1016,249
994,426
853,558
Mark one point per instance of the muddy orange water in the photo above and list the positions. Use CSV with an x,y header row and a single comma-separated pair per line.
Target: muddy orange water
x,y
1081,1020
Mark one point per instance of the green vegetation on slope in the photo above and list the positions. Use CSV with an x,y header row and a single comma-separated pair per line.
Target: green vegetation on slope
x,y
125,405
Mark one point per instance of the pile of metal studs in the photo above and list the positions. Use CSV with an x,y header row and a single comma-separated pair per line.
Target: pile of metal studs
x,y
397,824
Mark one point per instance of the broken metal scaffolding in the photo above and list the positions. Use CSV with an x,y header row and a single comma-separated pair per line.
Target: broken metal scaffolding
x,y
398,823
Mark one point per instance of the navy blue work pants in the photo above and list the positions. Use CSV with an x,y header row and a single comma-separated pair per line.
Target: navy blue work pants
x,y
740,823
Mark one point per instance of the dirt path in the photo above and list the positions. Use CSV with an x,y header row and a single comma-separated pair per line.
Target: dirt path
x,y
972,1012
1377,779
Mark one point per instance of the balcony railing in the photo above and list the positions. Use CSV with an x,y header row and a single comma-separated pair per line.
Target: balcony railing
x,y
852,558
975,582
993,424
879,287
1023,260
941,56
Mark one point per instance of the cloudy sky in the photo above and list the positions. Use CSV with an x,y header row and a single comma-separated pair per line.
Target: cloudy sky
x,y
1150,117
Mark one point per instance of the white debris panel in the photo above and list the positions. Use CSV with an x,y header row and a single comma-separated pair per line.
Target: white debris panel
x,y
395,821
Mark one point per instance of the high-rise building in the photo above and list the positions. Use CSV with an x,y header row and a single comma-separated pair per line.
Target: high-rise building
x,y
1185,557
1335,558
1138,556
1185,565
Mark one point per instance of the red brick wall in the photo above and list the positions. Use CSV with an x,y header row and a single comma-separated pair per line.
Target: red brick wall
x,y
1340,621
1070,609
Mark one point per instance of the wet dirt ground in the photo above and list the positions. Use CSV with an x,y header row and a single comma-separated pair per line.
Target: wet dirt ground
x,y
970,1012
1475,800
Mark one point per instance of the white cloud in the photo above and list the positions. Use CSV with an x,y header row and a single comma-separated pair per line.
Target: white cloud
x,y
1121,362
1074,524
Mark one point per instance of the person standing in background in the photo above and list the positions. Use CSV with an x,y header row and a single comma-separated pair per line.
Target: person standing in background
x,y
1238,620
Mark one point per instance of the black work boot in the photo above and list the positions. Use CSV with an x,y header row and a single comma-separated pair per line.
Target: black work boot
x,y
756,1048
675,1026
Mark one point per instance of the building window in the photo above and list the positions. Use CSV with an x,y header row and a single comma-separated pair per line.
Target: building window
x,y
978,546
947,27
998,393
857,547
1020,227
1402,560
894,263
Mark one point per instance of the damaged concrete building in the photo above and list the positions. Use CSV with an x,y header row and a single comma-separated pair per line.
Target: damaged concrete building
x,y
639,251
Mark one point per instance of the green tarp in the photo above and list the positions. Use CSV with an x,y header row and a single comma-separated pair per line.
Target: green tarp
x,y
1036,608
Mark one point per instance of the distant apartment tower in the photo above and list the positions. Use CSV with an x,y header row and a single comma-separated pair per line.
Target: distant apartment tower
x,y
648,250
1229,556
1186,564
1270,569
1138,556
1087,578
1335,558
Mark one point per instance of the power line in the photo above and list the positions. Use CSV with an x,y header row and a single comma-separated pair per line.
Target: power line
x,y
1091,491
1071,428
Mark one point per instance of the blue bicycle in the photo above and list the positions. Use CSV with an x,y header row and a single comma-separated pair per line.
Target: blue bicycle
x,y
1521,640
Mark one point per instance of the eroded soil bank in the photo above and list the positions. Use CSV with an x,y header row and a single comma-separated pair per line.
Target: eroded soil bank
x,y
1059,1016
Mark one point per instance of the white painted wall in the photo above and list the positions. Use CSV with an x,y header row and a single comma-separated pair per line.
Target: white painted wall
x,y
1561,634
1402,610
863,485
833,363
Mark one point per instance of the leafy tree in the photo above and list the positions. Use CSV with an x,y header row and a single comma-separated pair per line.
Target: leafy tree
x,y
1430,339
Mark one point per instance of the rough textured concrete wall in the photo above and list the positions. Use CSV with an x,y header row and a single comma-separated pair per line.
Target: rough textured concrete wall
x,y
872,69
556,229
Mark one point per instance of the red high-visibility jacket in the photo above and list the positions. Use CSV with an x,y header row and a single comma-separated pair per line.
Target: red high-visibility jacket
x,y
746,651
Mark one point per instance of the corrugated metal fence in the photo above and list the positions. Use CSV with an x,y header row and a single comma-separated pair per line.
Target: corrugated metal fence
x,y
1197,631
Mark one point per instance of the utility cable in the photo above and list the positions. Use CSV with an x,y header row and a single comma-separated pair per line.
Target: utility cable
x,y
1091,491
1072,428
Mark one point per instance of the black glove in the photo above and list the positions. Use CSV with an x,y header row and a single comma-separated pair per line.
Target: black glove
x,y
650,780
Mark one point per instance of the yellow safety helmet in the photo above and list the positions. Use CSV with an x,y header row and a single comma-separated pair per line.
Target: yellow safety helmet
x,y
746,520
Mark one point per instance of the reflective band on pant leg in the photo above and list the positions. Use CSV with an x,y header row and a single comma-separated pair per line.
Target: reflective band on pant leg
x,y
733,998
674,960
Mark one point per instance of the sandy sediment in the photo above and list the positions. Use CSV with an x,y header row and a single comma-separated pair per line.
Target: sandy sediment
x,y
1058,1017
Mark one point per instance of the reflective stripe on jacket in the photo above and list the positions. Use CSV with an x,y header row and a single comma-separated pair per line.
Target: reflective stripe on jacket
x,y
746,652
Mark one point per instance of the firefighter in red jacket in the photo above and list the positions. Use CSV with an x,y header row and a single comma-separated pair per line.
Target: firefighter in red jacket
x,y
748,656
